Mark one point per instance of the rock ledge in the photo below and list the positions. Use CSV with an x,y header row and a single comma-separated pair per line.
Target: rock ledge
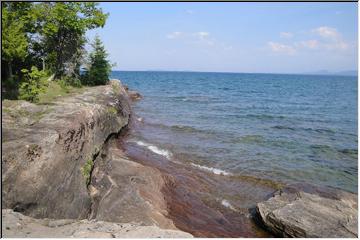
x,y
302,214
20,226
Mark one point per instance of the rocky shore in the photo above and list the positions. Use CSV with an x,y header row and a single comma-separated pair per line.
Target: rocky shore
x,y
17,225
308,211
59,162
65,174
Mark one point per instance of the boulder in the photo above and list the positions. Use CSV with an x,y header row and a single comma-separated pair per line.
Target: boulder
x,y
294,212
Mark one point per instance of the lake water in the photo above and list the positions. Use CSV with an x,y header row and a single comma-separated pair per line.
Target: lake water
x,y
284,128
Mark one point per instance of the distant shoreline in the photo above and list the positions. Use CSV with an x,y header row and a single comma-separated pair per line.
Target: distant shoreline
x,y
189,71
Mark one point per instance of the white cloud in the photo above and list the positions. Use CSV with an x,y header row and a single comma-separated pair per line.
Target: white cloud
x,y
337,45
189,11
202,35
312,44
195,35
227,47
282,48
174,35
327,32
286,35
333,39
329,39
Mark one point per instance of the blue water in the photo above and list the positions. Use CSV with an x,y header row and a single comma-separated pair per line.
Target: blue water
x,y
287,128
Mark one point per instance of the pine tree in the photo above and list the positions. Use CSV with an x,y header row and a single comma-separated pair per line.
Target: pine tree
x,y
99,67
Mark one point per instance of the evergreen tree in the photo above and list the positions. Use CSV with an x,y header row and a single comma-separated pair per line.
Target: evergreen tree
x,y
99,67
14,45
63,32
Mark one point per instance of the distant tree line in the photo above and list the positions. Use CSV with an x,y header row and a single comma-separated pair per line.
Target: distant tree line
x,y
46,40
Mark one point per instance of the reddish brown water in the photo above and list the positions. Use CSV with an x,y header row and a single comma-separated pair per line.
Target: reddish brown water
x,y
195,198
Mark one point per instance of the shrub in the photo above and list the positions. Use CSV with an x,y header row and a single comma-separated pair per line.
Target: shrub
x,y
70,81
34,83
86,170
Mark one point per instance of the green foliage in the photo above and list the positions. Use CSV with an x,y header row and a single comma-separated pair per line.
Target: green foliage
x,y
112,110
70,81
14,42
99,67
63,30
34,83
55,90
86,170
48,35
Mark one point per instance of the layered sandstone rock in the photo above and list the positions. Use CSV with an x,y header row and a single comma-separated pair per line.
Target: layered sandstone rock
x,y
125,191
297,213
61,161
46,147
20,226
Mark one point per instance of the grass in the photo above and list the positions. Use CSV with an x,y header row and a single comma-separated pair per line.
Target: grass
x,y
56,90
86,170
116,88
39,115
112,110
10,107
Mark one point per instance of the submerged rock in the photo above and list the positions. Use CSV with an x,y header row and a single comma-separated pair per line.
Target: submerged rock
x,y
20,226
134,96
315,213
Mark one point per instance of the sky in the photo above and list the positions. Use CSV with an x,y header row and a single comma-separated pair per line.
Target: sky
x,y
231,37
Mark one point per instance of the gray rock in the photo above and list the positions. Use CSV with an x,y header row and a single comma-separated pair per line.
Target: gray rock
x,y
296,213
17,225
125,191
45,148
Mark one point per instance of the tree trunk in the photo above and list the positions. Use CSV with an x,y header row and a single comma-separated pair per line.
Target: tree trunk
x,y
43,63
10,70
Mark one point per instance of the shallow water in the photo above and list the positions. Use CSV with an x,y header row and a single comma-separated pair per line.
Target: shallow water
x,y
284,128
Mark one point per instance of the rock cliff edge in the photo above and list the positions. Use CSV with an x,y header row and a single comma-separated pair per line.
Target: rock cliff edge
x,y
60,161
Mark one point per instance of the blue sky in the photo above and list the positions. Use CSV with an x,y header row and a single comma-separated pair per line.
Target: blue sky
x,y
231,37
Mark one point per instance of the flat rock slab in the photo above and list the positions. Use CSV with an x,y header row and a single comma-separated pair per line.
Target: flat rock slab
x,y
18,225
296,213
125,191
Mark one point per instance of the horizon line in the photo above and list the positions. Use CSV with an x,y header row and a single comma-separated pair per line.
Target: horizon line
x,y
302,73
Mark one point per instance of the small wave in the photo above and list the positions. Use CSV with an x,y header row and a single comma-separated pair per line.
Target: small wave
x,y
321,147
264,116
184,128
224,88
155,149
189,129
226,204
213,170
195,99
349,151
251,139
320,130
283,127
